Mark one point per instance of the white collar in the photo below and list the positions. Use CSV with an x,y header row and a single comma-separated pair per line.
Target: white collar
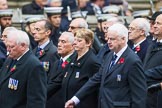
x,y
44,45
120,52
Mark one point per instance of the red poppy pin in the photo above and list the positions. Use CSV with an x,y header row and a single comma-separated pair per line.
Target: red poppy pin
x,y
41,52
121,61
137,49
65,63
13,68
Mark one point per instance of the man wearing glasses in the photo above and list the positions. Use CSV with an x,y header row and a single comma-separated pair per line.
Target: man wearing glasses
x,y
138,31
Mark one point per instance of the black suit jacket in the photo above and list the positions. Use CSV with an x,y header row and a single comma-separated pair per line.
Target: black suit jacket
x,y
49,56
57,98
76,75
153,58
31,89
122,86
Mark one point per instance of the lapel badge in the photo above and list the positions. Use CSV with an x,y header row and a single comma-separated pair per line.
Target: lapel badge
x,y
13,84
77,75
118,77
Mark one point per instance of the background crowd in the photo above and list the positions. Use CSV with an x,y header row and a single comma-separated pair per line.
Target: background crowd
x,y
57,59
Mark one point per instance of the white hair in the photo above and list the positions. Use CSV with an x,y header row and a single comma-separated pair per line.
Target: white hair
x,y
9,29
19,36
120,29
70,36
143,24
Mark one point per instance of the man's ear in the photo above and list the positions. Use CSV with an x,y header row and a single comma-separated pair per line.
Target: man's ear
x,y
48,32
143,32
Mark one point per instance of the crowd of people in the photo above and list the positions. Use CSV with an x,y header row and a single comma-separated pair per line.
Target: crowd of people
x,y
57,61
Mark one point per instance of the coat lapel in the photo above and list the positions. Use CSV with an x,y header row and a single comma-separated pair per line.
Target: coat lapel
x,y
118,64
46,48
79,63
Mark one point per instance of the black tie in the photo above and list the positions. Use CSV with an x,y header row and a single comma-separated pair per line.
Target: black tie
x,y
113,61
60,63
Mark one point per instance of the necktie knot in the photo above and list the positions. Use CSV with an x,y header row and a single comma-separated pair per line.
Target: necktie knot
x,y
37,51
114,57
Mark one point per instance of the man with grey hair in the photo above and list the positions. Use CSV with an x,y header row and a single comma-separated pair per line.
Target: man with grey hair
x,y
3,44
138,31
22,78
65,50
120,79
